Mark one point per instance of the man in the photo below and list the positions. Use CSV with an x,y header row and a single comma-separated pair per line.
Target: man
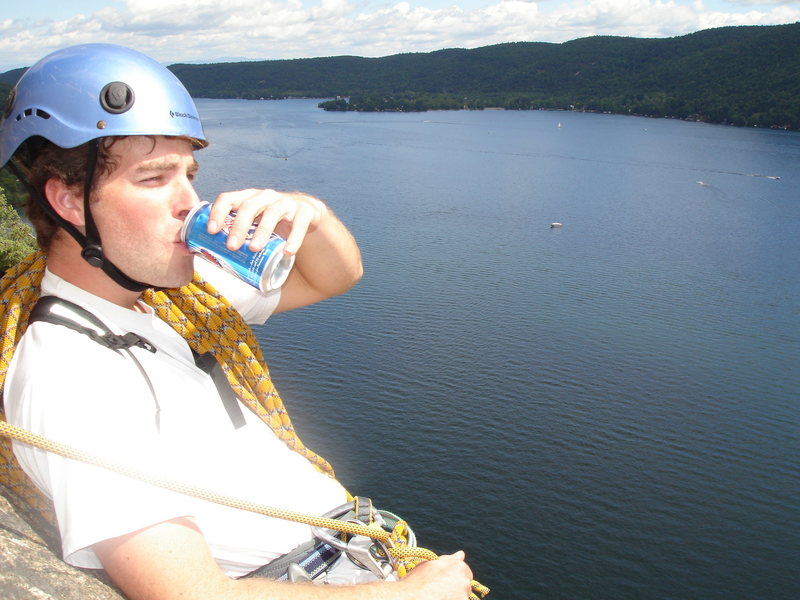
x,y
106,138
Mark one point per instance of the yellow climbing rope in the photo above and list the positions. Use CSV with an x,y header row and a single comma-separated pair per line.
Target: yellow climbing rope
x,y
209,324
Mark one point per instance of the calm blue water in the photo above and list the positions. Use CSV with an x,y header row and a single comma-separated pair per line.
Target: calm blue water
x,y
606,410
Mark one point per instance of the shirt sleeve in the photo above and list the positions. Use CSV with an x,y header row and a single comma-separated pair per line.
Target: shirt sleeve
x,y
255,306
102,406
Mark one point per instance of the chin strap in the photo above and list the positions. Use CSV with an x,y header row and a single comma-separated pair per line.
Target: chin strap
x,y
92,249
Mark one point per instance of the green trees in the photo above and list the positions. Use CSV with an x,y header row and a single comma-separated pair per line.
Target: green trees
x,y
13,189
4,90
406,102
738,75
17,239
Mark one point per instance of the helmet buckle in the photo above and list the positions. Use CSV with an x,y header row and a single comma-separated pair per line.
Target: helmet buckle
x,y
93,254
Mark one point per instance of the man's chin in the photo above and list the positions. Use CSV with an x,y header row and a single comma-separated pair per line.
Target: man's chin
x,y
174,279
180,282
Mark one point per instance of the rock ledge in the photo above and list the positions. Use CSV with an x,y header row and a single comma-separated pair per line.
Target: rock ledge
x,y
30,569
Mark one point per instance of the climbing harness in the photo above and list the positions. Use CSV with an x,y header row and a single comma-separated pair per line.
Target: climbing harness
x,y
336,558
210,325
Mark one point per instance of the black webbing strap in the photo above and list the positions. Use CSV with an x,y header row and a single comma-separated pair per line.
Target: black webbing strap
x,y
363,509
43,312
209,365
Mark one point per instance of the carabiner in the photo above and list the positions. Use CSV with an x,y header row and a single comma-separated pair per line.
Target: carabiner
x,y
361,550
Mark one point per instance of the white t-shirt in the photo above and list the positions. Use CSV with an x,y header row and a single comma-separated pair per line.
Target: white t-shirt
x,y
65,386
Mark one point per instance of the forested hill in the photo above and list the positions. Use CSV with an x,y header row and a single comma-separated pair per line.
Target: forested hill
x,y
741,75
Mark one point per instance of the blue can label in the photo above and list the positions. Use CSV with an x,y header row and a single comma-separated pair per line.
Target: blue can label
x,y
266,269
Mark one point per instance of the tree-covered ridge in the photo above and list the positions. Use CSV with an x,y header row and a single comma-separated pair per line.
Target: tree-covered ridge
x,y
740,75
4,90
17,239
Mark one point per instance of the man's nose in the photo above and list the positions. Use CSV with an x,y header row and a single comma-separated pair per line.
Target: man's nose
x,y
186,199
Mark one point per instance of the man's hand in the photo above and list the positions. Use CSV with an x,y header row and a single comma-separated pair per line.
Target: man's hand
x,y
328,259
290,214
448,578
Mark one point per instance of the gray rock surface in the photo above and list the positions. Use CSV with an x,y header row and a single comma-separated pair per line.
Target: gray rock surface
x,y
29,569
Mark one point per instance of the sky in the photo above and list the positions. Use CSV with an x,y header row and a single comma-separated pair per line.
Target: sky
x,y
221,30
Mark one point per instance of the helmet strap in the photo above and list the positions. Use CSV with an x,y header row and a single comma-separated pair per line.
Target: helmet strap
x,y
92,247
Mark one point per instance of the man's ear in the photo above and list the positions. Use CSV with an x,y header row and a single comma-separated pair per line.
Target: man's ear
x,y
66,200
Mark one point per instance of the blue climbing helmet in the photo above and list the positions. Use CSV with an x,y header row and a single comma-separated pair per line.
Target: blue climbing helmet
x,y
85,92
81,94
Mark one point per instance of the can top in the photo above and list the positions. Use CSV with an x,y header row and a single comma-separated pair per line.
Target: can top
x,y
187,223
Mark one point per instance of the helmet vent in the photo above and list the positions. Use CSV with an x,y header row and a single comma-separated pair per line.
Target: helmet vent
x,y
116,97
29,112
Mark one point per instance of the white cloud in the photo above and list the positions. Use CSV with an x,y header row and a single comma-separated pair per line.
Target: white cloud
x,y
178,30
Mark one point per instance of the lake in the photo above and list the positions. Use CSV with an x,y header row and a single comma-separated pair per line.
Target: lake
x,y
608,409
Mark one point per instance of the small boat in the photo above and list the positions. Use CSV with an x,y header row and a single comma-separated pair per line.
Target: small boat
x,y
555,225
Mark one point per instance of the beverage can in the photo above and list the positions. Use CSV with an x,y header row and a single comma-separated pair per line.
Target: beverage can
x,y
266,269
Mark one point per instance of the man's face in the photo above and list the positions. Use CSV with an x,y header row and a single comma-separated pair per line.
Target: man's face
x,y
140,207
